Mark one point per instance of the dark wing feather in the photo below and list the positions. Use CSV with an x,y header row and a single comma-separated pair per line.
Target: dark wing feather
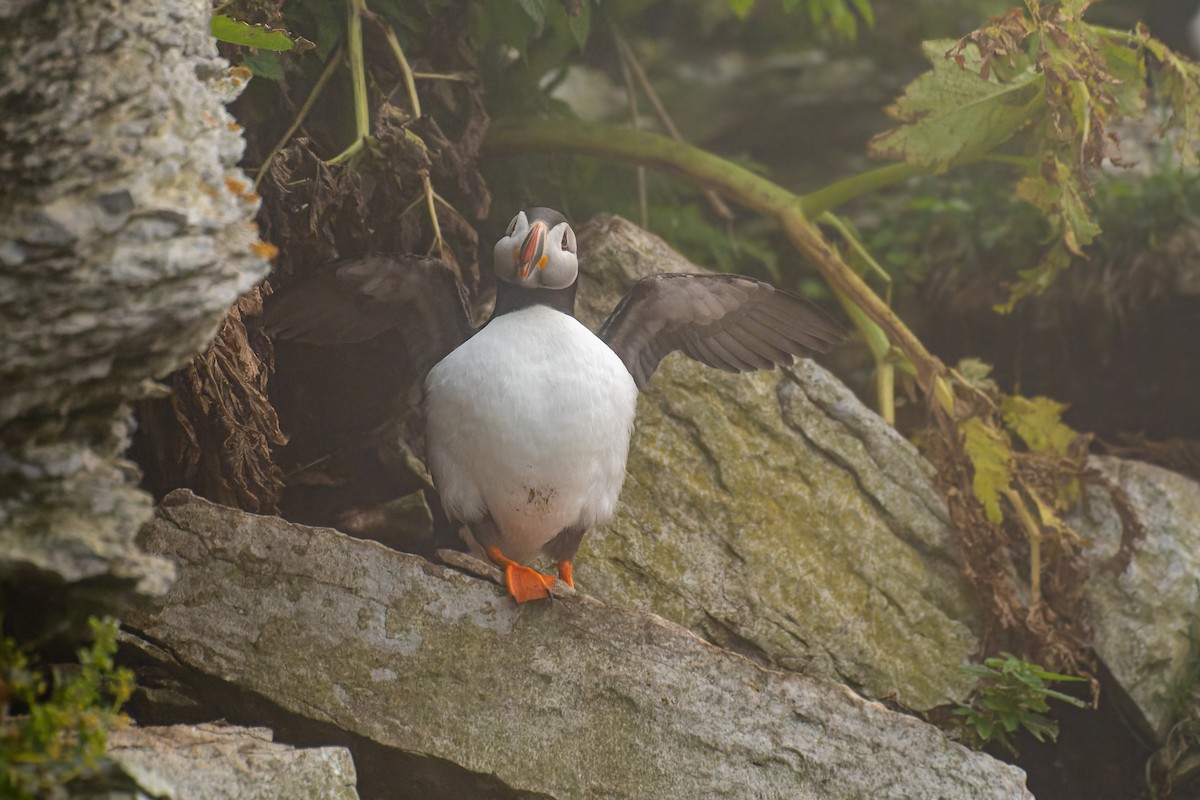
x,y
353,301
730,322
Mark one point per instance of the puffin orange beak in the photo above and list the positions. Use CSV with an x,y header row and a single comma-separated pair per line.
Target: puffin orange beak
x,y
530,253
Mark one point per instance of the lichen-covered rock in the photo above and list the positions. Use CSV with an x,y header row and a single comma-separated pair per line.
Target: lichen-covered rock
x,y
1147,617
567,699
777,515
125,235
223,762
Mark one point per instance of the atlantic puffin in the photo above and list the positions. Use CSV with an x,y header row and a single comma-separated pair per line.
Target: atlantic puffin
x,y
528,418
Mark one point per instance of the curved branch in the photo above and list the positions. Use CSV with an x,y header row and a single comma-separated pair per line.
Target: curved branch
x,y
742,186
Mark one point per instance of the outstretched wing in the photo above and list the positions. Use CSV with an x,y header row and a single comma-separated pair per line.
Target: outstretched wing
x,y
730,322
357,300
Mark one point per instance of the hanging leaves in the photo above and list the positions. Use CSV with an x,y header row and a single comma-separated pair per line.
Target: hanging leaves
x,y
1177,80
991,456
1038,421
1041,69
958,111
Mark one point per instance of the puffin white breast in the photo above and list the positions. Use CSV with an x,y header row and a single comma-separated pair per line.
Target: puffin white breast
x,y
529,422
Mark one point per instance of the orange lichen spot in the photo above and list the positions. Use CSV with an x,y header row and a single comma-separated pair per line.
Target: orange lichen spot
x,y
240,74
233,126
250,196
236,186
265,250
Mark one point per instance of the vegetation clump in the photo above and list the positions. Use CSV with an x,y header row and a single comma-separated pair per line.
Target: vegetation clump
x,y
1012,695
54,728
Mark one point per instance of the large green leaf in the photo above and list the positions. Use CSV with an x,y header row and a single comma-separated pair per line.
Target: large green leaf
x,y
991,456
580,25
958,111
741,7
1038,421
228,29
536,10
1057,191
1178,80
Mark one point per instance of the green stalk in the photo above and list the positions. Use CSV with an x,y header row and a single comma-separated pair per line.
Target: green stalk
x,y
301,115
835,194
742,186
358,75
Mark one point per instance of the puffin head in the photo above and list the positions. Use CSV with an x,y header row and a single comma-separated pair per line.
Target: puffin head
x,y
537,251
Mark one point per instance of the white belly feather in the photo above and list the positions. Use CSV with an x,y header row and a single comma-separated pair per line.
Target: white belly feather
x,y
529,421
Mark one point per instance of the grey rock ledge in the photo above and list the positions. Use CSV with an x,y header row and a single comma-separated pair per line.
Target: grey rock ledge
x,y
568,699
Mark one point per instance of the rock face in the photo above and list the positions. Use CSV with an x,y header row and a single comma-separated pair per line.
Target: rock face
x,y
777,515
125,235
1147,618
569,699
222,762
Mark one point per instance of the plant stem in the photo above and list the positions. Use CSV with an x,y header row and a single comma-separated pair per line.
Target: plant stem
x,y
740,185
358,68
1034,533
405,70
630,63
877,341
635,122
462,77
833,195
414,101
330,68
358,75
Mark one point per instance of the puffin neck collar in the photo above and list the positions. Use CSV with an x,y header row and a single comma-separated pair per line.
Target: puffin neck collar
x,y
510,297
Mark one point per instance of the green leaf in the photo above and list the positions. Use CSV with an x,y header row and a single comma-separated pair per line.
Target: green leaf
x,y
264,65
1178,80
1066,698
1040,727
1054,676
1037,279
322,21
864,9
62,732
536,10
1127,66
953,114
741,8
978,670
580,25
1058,193
227,29
991,456
1038,421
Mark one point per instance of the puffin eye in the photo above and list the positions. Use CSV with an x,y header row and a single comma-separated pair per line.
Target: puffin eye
x,y
568,240
512,226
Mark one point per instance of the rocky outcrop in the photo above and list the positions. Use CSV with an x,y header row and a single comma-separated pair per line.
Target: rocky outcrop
x,y
570,698
223,762
1147,616
125,235
776,515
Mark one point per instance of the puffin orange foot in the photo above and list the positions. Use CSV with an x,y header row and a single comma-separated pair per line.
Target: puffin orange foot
x,y
524,583
566,572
